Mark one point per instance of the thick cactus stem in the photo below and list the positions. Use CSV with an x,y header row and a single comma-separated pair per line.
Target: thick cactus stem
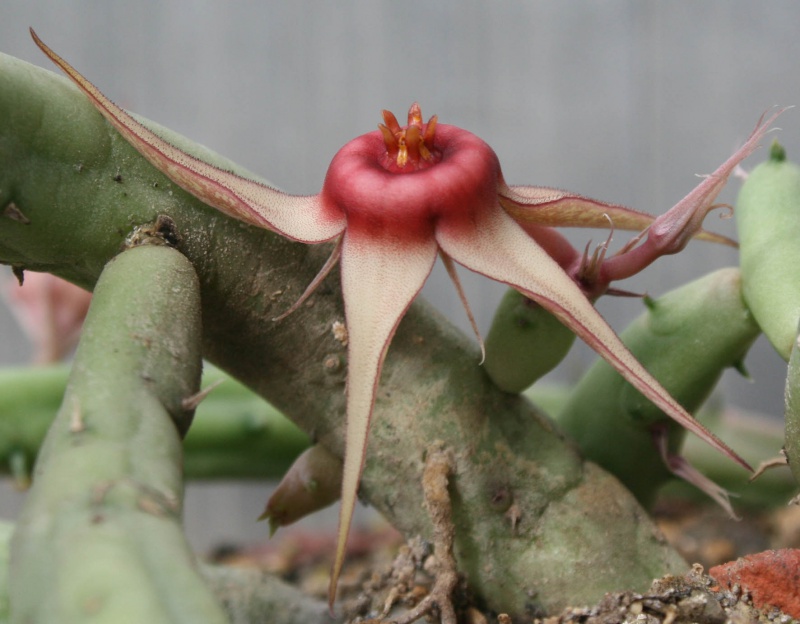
x,y
792,414
768,220
235,433
525,343
100,535
686,338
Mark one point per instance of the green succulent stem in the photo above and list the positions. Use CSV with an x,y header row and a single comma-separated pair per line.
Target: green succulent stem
x,y
101,526
235,434
792,411
246,595
686,338
768,221
524,343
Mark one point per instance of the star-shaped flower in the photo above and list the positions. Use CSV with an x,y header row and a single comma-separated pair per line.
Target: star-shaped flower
x,y
397,198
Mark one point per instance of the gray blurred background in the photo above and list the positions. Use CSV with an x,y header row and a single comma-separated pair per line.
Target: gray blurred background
x,y
623,100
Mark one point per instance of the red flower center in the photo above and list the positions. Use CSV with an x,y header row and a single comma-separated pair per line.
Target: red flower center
x,y
363,182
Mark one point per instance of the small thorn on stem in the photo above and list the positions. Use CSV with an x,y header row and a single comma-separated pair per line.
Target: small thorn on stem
x,y
769,464
190,403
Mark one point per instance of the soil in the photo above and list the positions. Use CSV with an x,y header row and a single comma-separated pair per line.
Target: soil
x,y
384,576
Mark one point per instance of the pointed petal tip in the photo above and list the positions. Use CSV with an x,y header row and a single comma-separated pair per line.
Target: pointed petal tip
x,y
718,444
332,588
301,218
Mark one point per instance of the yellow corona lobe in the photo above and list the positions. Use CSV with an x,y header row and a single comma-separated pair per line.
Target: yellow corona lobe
x,y
412,144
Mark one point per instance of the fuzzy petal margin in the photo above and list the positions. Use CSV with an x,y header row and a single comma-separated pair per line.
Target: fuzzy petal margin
x,y
556,208
302,218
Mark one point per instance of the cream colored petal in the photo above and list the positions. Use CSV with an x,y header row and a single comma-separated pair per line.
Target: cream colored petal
x,y
556,208
494,245
380,278
302,218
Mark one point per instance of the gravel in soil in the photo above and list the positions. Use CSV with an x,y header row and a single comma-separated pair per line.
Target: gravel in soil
x,y
385,576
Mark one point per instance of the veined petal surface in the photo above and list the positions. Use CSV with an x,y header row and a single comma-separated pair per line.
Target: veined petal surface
x,y
381,276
